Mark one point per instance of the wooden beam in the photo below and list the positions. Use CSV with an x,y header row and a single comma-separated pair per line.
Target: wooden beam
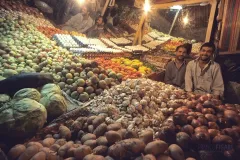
x,y
211,20
221,42
142,20
105,7
229,52
165,5
236,28
220,11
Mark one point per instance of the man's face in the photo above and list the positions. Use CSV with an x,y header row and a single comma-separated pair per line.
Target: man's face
x,y
206,53
181,53
84,11
100,21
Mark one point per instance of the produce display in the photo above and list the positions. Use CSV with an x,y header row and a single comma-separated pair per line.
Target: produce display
x,y
125,71
173,43
137,48
37,21
143,119
51,31
107,111
65,41
136,64
17,5
24,49
120,41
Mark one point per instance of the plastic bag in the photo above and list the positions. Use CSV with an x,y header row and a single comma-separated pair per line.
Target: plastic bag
x,y
42,6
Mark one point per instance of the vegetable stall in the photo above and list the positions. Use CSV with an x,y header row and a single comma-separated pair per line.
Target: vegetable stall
x,y
66,96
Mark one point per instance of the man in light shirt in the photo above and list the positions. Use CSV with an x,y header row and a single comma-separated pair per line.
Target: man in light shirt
x,y
203,75
80,22
175,70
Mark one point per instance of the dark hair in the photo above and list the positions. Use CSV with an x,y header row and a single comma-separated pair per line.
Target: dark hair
x,y
208,44
181,46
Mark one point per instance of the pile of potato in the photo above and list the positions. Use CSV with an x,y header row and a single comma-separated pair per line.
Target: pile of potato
x,y
91,138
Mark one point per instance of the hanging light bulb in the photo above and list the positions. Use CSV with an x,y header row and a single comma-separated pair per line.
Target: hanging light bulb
x,y
185,20
147,6
81,1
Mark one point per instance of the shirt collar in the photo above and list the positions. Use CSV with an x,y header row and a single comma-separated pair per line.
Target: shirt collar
x,y
184,62
210,62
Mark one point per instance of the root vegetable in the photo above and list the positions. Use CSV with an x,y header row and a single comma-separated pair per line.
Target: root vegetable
x,y
90,120
164,157
130,134
149,157
147,136
48,142
183,140
29,152
155,148
213,125
90,128
70,152
100,150
82,151
122,132
97,121
108,158
39,156
211,117
100,130
112,137
62,152
50,155
102,141
39,145
201,129
93,157
187,129
61,142
88,136
180,119
213,133
222,139
132,146
91,143
70,158
176,152
65,132
201,138
195,123
114,127
55,147
16,151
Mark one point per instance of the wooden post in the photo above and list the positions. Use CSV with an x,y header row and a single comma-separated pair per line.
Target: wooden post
x,y
105,7
174,21
211,20
138,33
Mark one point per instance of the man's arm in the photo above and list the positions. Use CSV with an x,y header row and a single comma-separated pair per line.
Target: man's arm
x,y
189,78
217,85
89,25
167,77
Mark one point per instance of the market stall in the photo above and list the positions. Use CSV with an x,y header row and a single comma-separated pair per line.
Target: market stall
x,y
66,96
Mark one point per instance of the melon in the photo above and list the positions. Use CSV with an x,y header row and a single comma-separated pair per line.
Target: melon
x,y
102,84
80,90
83,97
101,76
94,79
96,70
80,82
89,89
75,95
69,76
90,74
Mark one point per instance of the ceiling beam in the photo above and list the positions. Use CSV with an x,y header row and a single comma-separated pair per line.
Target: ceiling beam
x,y
186,2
